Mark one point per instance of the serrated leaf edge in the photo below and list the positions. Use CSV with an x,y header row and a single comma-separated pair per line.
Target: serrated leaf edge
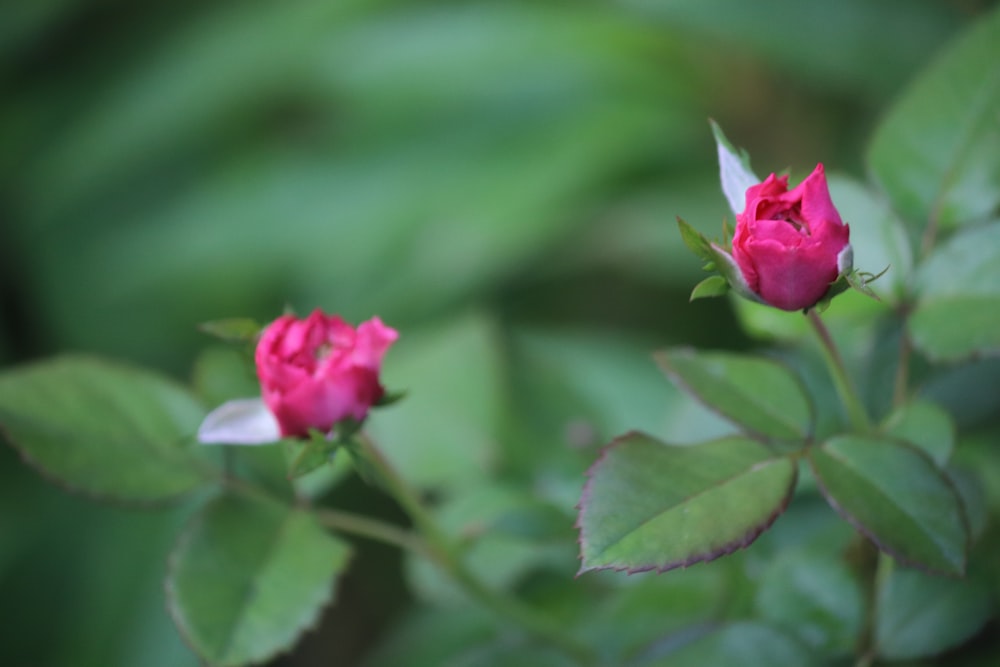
x,y
749,538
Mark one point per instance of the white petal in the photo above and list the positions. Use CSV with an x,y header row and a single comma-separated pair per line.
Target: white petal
x,y
245,421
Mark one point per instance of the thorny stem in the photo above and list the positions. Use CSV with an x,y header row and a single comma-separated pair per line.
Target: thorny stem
x,y
835,363
444,553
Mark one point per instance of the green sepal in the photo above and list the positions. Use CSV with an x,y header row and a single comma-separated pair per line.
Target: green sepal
x,y
304,456
232,330
696,241
712,286
390,397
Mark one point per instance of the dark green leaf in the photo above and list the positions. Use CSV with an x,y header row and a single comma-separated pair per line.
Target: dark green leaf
x,y
747,644
248,576
936,154
104,429
920,615
652,506
734,171
894,494
759,395
925,425
814,597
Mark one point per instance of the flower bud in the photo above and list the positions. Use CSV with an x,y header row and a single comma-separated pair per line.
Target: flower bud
x,y
791,245
318,371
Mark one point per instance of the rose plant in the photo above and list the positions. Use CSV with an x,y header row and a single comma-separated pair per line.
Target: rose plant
x,y
868,489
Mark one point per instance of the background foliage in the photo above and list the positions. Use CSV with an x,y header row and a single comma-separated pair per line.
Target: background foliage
x,y
497,180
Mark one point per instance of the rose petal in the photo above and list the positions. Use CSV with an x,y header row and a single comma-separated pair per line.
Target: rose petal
x,y
244,421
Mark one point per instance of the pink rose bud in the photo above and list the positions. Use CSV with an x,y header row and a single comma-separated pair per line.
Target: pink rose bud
x,y
791,245
319,371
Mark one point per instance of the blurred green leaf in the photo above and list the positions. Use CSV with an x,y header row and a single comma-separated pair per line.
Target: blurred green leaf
x,y
814,597
925,425
895,495
920,615
248,576
761,396
493,523
878,238
748,644
937,153
652,506
442,435
104,429
958,308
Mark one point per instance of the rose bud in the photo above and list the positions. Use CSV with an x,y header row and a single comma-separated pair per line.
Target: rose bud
x,y
790,245
320,371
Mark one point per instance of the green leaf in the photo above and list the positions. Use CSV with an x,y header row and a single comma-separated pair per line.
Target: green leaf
x,y
442,434
232,330
248,576
936,152
761,396
648,505
925,425
878,236
734,171
103,429
958,291
894,494
919,615
957,328
711,286
747,644
814,597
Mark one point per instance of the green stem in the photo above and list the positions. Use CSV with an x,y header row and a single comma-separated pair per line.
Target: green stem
x,y
848,395
444,553
363,526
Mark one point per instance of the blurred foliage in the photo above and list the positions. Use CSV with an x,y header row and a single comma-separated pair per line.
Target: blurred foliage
x,y
497,180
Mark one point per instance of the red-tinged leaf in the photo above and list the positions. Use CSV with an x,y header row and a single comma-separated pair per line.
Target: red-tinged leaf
x,y
652,506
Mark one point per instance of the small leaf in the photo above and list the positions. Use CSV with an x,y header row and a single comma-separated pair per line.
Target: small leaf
x,y
894,494
711,286
244,421
936,152
734,171
104,429
648,505
759,395
747,644
925,425
232,330
919,615
248,576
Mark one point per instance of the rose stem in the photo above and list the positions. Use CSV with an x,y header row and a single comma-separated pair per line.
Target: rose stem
x,y
441,550
848,395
